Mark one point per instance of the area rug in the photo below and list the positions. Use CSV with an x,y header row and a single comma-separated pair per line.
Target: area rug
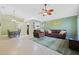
x,y
59,45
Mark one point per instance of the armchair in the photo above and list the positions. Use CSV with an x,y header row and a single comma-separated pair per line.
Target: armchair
x,y
38,34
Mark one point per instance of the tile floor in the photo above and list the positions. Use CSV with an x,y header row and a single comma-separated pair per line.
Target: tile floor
x,y
23,46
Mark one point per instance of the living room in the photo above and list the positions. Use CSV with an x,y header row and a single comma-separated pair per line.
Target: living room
x,y
55,31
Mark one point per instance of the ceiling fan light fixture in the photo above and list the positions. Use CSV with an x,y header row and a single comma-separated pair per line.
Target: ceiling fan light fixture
x,y
47,11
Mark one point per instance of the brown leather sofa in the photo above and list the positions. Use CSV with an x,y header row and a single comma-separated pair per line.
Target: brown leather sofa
x,y
38,34
55,34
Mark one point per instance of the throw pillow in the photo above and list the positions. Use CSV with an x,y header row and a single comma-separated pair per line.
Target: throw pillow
x,y
49,31
62,32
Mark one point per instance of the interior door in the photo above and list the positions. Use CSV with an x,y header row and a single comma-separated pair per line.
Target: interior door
x,y
27,29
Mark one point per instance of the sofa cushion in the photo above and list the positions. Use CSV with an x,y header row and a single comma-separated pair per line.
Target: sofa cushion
x,y
54,31
58,31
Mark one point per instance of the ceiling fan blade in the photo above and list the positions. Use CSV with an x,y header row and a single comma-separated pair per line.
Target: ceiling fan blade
x,y
46,11
50,10
50,13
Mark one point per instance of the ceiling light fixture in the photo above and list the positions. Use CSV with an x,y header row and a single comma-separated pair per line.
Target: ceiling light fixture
x,y
46,11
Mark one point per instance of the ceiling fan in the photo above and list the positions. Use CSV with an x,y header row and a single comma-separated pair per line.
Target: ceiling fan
x,y
46,11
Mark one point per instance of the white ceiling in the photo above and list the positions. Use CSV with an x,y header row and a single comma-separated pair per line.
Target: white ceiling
x,y
32,11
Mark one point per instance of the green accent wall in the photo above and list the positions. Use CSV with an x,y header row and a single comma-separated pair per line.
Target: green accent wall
x,y
68,23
